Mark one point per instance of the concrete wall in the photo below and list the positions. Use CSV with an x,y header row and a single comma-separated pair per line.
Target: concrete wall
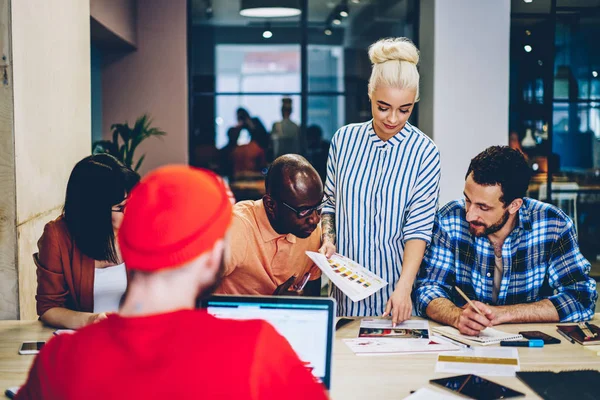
x,y
118,16
465,72
153,80
51,60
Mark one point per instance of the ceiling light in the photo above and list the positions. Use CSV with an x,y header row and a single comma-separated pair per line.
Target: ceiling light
x,y
528,32
327,31
269,8
336,21
356,1
595,74
528,48
528,1
343,14
540,63
267,34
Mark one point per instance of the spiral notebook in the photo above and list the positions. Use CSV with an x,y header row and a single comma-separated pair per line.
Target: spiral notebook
x,y
485,337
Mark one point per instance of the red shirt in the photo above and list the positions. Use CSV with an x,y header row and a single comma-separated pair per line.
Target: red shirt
x,y
186,354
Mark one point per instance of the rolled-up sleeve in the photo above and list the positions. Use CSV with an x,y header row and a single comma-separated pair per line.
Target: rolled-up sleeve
x,y
52,289
424,202
330,181
437,276
568,274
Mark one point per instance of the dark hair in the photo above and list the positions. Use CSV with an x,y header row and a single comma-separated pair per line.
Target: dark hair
x,y
501,165
243,111
96,184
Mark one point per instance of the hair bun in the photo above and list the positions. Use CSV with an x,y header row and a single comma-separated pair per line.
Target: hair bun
x,y
398,49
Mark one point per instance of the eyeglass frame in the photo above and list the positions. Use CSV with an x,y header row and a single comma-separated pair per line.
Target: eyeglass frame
x,y
308,210
120,208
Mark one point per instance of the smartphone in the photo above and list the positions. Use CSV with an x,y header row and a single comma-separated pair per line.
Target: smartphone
x,y
540,335
31,347
12,392
342,321
476,387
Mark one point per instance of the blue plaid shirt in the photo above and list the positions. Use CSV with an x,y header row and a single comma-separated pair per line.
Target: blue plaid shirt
x,y
541,260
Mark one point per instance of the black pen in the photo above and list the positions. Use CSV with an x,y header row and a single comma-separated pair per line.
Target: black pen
x,y
566,336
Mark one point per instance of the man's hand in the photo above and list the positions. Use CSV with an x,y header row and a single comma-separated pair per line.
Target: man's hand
x,y
399,306
470,322
327,249
284,288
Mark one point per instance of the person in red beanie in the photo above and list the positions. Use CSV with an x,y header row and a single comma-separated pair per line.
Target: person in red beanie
x,y
159,346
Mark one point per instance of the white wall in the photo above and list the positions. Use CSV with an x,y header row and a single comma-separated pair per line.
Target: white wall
x,y
464,73
52,126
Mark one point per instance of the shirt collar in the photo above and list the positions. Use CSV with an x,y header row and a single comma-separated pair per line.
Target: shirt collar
x,y
267,232
394,140
525,216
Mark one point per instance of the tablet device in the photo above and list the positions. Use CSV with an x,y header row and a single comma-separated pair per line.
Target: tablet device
x,y
476,387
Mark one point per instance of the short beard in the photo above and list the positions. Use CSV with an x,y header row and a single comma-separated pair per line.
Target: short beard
x,y
207,291
492,228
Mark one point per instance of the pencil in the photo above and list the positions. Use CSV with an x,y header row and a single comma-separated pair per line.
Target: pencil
x,y
464,296
566,336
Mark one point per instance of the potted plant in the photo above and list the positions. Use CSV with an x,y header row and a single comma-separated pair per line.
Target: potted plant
x,y
126,139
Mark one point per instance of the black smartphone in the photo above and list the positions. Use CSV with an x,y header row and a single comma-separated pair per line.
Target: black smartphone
x,y
476,387
342,321
540,335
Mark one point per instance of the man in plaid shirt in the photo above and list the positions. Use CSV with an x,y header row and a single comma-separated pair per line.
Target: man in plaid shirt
x,y
518,258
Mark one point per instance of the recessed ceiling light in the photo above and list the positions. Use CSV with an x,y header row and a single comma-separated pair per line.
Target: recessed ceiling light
x,y
528,32
595,74
266,9
344,14
528,1
267,34
528,48
328,32
336,21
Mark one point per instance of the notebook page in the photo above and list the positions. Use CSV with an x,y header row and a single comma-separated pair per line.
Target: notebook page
x,y
487,336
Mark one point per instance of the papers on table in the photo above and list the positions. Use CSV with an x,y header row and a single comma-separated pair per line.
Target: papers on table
x,y
382,328
485,337
354,280
496,361
377,337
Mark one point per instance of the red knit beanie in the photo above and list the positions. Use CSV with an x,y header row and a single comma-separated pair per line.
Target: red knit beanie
x,y
172,216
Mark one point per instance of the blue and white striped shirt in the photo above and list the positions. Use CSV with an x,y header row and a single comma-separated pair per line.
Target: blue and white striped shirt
x,y
383,193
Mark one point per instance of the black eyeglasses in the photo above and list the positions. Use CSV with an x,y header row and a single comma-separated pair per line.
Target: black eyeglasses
x,y
305,212
119,208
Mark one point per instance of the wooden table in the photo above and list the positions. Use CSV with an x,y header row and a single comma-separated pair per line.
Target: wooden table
x,y
377,377
394,377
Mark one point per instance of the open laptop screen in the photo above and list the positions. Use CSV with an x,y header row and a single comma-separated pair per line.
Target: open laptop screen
x,y
307,323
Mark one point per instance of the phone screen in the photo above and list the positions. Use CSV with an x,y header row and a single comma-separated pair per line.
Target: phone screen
x,y
32,346
476,387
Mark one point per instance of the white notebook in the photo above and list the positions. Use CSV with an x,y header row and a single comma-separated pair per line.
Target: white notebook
x,y
485,337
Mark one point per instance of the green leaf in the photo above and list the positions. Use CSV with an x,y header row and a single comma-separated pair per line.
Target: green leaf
x,y
139,163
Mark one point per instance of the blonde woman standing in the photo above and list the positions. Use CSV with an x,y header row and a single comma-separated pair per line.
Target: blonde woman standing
x,y
383,182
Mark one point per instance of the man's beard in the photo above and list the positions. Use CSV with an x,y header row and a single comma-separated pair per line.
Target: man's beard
x,y
210,289
492,228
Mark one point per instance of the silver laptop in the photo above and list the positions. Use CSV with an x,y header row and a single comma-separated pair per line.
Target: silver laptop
x,y
306,322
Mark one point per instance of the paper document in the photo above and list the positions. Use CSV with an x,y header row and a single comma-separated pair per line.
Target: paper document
x,y
355,281
382,328
495,361
486,337
385,346
426,393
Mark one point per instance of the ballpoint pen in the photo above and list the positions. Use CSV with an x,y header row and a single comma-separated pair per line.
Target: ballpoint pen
x,y
566,336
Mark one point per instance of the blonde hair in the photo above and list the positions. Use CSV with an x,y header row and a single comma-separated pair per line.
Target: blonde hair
x,y
394,64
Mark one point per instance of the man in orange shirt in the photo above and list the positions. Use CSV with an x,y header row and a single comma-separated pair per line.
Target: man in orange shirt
x,y
269,237
159,346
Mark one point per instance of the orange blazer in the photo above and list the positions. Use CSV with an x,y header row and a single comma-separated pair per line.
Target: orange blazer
x,y
65,276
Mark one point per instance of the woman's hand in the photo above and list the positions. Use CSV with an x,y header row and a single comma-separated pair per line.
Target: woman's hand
x,y
399,306
92,319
